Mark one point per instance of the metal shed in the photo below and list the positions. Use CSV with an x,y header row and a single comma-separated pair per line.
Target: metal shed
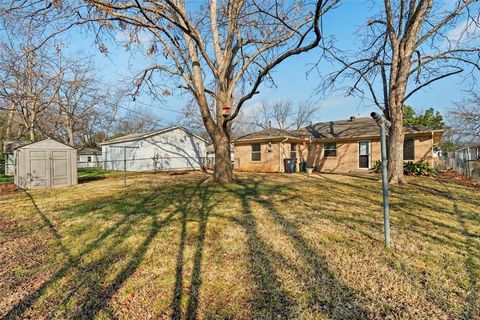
x,y
45,164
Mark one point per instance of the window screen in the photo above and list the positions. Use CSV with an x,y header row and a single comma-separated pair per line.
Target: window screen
x,y
408,149
330,149
256,152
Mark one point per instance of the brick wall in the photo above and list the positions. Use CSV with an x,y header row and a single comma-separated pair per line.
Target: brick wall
x,y
345,161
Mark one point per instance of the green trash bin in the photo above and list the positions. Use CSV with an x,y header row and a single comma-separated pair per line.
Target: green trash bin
x,y
303,166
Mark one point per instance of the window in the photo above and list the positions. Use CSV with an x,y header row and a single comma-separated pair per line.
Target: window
x,y
330,149
364,154
89,159
293,151
256,152
408,149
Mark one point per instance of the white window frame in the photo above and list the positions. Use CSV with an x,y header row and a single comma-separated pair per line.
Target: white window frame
x,y
252,152
369,154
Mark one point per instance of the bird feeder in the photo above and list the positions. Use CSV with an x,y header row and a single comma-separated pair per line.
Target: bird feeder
x,y
226,111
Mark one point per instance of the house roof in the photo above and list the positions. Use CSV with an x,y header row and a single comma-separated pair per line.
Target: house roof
x,y
270,133
10,146
88,151
341,129
144,135
351,128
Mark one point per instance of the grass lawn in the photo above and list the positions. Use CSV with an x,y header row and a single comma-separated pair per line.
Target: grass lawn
x,y
5,179
268,246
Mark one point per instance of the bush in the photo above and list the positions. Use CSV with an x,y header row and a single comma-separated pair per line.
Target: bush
x,y
410,168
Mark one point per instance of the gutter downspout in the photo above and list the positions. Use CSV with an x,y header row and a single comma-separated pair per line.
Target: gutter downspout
x,y
280,147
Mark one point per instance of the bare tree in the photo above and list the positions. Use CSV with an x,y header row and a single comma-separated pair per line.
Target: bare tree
x,y
215,48
134,121
282,114
408,45
29,80
78,97
465,119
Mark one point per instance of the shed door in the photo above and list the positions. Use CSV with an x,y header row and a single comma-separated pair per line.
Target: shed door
x,y
49,168
60,168
39,173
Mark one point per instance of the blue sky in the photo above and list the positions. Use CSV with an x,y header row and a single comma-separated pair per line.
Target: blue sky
x,y
290,77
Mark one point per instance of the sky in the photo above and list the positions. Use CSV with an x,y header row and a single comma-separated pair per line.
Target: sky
x,y
290,77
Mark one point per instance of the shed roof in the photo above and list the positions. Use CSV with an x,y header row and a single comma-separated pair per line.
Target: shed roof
x,y
47,143
143,135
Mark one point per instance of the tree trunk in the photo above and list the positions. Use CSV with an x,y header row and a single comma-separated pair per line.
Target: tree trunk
x,y
9,124
222,171
395,153
31,132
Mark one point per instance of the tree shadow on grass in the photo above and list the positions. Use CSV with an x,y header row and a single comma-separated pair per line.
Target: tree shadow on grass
x,y
191,212
80,278
472,265
326,293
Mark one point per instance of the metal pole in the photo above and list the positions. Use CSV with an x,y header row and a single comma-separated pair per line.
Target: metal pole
x,y
125,167
386,215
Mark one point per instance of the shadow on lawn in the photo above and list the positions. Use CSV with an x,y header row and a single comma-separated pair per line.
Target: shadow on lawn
x,y
326,293
472,265
84,279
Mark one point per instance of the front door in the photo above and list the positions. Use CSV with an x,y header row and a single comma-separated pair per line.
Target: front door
x,y
364,154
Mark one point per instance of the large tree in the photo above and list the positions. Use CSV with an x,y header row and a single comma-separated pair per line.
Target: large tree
x,y
214,50
406,46
465,119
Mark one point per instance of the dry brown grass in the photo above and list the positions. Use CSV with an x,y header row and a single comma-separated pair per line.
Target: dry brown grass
x,y
267,246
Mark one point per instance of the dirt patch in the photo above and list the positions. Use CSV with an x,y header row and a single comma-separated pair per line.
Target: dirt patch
x,y
453,176
8,188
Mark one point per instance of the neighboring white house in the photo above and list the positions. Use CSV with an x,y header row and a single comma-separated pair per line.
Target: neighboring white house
x,y
89,158
8,150
173,148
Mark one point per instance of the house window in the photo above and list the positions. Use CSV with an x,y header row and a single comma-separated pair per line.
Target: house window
x,y
330,149
409,149
293,151
256,152
89,159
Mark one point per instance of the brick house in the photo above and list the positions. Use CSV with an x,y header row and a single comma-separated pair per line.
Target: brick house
x,y
351,145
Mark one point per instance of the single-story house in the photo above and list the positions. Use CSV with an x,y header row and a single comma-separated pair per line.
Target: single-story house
x,y
172,148
89,158
8,151
351,145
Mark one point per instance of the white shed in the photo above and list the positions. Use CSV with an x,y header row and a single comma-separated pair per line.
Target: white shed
x,y
169,149
45,164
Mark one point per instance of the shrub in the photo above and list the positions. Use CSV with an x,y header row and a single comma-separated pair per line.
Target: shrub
x,y
410,168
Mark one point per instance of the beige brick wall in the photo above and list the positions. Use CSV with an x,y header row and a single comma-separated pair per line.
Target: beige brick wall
x,y
272,157
345,161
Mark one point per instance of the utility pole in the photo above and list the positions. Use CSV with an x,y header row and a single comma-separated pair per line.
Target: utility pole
x,y
384,124
124,161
